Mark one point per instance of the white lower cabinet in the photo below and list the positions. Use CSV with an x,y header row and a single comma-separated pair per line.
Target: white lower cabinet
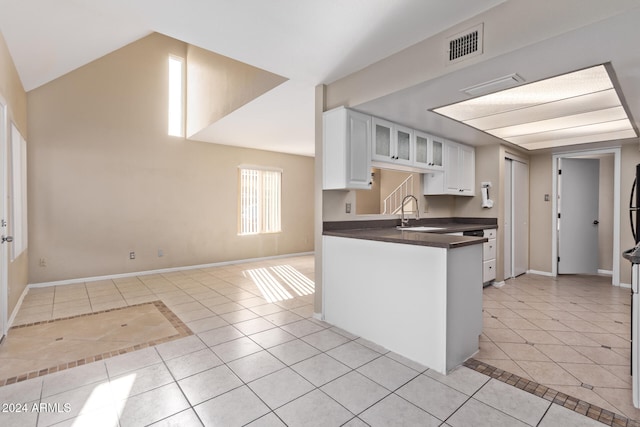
x,y
489,257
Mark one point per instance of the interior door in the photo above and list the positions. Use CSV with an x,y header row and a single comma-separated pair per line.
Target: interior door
x,y
578,216
508,215
520,217
516,226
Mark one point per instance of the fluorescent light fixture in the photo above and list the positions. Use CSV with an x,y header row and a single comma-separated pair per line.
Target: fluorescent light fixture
x,y
176,96
575,108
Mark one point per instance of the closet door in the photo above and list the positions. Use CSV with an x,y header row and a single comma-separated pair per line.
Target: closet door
x,y
516,218
508,216
520,225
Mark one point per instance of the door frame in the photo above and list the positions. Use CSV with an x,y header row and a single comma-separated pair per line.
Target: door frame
x,y
4,248
615,277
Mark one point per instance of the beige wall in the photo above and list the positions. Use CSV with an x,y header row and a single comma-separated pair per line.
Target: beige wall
x,y
540,212
13,93
368,201
218,85
105,179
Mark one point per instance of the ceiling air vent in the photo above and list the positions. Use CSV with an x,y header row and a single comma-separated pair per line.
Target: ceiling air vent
x,y
465,45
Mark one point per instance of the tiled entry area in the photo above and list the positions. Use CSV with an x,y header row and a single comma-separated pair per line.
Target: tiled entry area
x,y
570,333
260,363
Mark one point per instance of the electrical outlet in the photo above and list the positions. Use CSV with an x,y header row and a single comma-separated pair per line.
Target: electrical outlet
x,y
132,255
160,253
42,262
347,208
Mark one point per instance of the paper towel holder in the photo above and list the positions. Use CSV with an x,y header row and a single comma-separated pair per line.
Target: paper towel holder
x,y
486,201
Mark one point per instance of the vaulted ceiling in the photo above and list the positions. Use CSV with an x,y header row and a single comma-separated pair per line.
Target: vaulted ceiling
x,y
308,42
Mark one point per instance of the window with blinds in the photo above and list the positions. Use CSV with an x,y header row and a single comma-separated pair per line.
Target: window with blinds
x,y
260,194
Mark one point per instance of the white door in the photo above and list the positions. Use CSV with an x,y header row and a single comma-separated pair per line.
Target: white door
x,y
578,216
516,225
4,249
508,216
520,226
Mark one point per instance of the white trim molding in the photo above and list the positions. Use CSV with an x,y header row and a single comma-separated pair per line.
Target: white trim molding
x,y
14,313
541,273
160,271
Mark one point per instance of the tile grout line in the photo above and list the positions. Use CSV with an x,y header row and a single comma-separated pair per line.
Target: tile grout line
x,y
546,393
164,362
182,329
608,316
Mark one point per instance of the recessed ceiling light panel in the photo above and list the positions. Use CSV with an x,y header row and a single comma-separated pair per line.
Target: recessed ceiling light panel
x,y
575,106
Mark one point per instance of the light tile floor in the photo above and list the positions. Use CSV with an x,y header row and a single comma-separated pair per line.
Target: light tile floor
x,y
570,333
254,362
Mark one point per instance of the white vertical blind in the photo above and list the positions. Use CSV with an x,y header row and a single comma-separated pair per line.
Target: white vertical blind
x,y
260,206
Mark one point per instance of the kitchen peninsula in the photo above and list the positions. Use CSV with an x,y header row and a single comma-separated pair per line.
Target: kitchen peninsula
x,y
416,293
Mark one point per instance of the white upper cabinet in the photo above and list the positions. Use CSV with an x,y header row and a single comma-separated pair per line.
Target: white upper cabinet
x,y
392,143
352,141
346,158
458,176
429,151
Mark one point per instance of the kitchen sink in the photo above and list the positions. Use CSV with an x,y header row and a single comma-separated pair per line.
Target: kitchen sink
x,y
420,228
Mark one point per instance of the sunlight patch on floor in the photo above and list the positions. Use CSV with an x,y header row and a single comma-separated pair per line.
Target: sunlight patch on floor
x,y
274,290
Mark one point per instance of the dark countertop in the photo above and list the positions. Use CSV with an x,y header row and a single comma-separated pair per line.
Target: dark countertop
x,y
386,231
420,238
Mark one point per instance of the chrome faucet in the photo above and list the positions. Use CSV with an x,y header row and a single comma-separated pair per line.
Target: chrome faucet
x,y
403,221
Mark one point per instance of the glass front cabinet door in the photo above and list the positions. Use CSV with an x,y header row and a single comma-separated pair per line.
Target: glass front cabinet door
x,y
436,150
429,152
382,143
392,143
404,145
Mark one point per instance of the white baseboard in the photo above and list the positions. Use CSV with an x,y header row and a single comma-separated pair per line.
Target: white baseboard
x,y
498,284
625,285
318,316
540,273
605,272
160,271
12,318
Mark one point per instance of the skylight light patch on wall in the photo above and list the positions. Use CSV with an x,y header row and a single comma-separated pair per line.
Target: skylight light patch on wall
x,y
574,108
176,96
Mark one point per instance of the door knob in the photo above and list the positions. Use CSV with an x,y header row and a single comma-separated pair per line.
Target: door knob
x,y
596,222
7,239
